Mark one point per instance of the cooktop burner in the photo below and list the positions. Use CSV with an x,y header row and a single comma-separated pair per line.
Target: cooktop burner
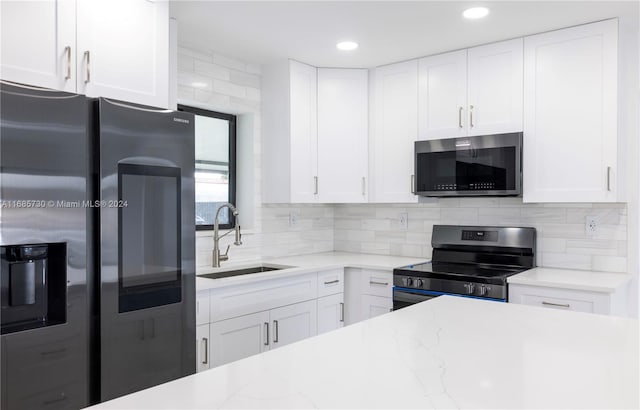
x,y
461,271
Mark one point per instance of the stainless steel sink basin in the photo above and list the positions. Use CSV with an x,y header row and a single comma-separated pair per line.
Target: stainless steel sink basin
x,y
243,271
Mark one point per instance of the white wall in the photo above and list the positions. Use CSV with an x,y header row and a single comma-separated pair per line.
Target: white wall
x,y
232,86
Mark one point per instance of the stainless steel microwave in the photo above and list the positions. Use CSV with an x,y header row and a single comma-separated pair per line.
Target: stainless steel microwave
x,y
485,165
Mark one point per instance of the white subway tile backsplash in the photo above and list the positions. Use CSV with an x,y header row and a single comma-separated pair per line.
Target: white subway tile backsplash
x,y
229,62
228,88
244,79
212,71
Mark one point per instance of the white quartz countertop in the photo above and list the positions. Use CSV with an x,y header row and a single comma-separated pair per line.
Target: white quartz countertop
x,y
296,265
571,279
447,352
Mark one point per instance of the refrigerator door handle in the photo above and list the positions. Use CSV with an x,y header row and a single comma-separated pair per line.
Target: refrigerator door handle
x,y
137,107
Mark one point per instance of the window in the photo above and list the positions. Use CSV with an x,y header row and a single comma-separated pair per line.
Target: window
x,y
215,175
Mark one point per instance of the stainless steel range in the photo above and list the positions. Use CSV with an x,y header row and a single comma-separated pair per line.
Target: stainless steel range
x,y
468,261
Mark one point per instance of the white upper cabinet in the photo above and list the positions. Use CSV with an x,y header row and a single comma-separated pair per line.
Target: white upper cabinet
x,y
396,128
101,48
471,92
290,133
304,133
123,50
343,135
570,115
443,95
38,43
495,88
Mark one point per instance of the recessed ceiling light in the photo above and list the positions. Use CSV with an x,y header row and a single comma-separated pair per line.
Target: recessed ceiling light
x,y
198,84
476,12
347,45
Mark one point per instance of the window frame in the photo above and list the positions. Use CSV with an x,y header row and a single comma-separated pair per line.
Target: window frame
x,y
232,157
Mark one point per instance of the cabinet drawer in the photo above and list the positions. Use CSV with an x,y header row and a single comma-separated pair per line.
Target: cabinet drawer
x,y
563,299
202,307
377,283
330,282
264,295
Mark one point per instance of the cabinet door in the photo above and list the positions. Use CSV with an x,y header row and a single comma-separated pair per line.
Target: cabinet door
x,y
39,43
396,129
343,116
570,114
304,132
292,323
203,347
495,88
123,52
373,306
442,96
237,338
330,313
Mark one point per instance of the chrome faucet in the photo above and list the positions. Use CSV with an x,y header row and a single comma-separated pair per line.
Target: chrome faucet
x,y
217,257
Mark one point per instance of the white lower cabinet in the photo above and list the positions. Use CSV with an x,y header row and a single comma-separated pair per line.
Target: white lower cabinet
x,y
369,293
244,336
293,323
240,337
568,299
372,306
330,313
202,347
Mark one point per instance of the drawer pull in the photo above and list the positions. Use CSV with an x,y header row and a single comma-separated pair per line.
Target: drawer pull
x,y
556,304
51,352
56,400
373,282
266,332
341,311
331,282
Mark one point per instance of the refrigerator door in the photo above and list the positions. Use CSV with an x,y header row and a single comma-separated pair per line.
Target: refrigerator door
x,y
147,246
44,170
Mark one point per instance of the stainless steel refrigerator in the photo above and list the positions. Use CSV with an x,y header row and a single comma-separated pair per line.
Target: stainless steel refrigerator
x,y
97,248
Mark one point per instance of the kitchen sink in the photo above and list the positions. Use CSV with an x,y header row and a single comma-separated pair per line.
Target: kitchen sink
x,y
243,271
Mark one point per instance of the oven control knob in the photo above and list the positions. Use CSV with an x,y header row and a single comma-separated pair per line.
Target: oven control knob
x,y
470,287
407,281
417,283
483,290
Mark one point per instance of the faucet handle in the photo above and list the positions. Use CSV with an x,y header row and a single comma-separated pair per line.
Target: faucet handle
x,y
224,256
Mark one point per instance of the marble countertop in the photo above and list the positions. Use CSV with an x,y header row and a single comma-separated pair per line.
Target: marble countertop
x,y
447,352
572,279
296,265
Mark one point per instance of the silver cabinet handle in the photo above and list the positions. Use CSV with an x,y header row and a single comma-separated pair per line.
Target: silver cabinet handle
x,y
364,183
341,311
206,350
460,117
315,185
266,333
87,56
67,50
471,116
413,184
275,331
372,282
608,178
556,304
332,282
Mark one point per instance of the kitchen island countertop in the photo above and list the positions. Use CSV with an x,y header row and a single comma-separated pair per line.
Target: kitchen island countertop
x,y
447,352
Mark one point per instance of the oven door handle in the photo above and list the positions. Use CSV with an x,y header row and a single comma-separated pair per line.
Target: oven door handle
x,y
410,297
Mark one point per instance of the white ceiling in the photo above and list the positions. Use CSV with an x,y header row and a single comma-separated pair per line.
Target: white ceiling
x,y
387,31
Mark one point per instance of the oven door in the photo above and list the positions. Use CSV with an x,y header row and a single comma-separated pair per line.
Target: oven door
x,y
471,166
403,297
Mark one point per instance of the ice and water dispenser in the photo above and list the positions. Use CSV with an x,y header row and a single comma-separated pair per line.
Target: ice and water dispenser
x,y
33,286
